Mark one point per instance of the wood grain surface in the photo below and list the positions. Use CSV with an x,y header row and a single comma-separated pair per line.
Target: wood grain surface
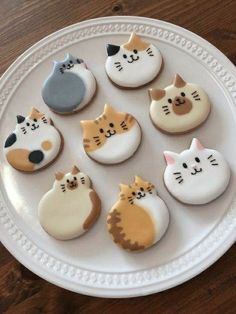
x,y
24,22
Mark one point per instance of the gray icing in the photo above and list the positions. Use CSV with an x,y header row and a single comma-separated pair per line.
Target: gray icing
x,y
64,90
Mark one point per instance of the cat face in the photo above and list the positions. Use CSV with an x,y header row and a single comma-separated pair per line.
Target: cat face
x,y
71,181
196,175
179,107
133,63
111,123
67,64
137,191
33,123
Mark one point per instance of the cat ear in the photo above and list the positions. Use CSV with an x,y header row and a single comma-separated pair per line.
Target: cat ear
x,y
178,81
69,56
170,157
138,180
75,170
108,109
79,61
135,42
35,113
20,119
196,145
157,94
112,50
59,176
123,187
86,124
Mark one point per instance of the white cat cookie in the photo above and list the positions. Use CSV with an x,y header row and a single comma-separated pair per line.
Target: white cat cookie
x,y
139,218
71,207
34,144
197,175
69,87
180,107
134,63
112,137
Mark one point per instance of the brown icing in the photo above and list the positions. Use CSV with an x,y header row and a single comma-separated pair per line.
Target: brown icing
x,y
59,175
35,114
46,145
135,42
75,170
95,212
157,94
19,159
178,81
181,105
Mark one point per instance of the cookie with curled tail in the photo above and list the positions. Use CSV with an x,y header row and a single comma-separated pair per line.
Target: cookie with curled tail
x,y
133,64
34,144
71,207
180,107
139,218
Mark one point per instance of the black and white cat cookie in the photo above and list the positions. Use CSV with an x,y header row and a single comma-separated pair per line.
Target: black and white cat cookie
x,y
34,144
69,87
134,63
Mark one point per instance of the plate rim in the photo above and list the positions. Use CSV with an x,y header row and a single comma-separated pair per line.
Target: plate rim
x,y
107,292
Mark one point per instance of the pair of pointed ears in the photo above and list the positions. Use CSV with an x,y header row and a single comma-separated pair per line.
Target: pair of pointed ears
x,y
171,157
60,175
158,94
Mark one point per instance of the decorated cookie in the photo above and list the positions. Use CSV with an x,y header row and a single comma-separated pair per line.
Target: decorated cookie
x,y
139,218
69,87
198,175
112,137
34,144
180,107
71,207
134,63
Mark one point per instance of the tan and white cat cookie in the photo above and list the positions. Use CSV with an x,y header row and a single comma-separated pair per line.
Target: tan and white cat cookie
x,y
134,63
139,218
71,207
112,137
34,144
180,107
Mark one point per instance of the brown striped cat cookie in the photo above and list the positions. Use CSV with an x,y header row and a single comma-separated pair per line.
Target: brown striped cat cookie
x,y
112,137
139,218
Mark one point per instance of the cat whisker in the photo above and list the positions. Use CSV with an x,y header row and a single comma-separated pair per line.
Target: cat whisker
x,y
118,62
148,49
209,157
118,66
179,177
96,137
215,164
181,181
165,106
167,109
197,99
177,173
212,160
194,92
120,69
151,55
166,113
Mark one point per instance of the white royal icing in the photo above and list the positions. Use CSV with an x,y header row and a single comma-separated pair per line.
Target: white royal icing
x,y
205,178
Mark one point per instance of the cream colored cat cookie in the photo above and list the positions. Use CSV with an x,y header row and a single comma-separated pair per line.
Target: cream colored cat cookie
x,y
112,137
180,107
139,218
71,207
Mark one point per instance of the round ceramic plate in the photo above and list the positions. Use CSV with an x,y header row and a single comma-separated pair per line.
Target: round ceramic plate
x,y
93,264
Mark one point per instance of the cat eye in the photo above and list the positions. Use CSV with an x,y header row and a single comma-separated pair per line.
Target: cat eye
x,y
142,189
169,100
63,65
111,125
101,130
68,181
197,159
35,120
28,124
135,51
185,165
75,178
71,61
133,193
182,94
125,56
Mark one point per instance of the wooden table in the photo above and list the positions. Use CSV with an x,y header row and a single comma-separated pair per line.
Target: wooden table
x,y
22,23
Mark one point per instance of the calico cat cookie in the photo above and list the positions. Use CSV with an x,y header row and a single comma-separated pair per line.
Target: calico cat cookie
x,y
69,87
134,63
34,144
180,107
139,218
71,207
197,175
112,137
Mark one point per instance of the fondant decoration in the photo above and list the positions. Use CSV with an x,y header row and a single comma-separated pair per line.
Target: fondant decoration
x,y
139,218
71,207
180,107
198,175
34,144
134,63
112,137
69,87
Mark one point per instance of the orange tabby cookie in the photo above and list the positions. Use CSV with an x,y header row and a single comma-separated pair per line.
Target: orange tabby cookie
x,y
34,144
71,207
139,218
112,137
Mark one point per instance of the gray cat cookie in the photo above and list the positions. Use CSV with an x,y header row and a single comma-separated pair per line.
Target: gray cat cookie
x,y
69,87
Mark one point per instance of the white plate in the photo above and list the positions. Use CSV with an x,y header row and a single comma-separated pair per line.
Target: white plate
x,y
92,264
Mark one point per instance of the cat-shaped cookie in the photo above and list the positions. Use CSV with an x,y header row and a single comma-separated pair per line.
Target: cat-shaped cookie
x,y
69,87
71,207
134,63
197,175
34,144
139,218
180,107
112,137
